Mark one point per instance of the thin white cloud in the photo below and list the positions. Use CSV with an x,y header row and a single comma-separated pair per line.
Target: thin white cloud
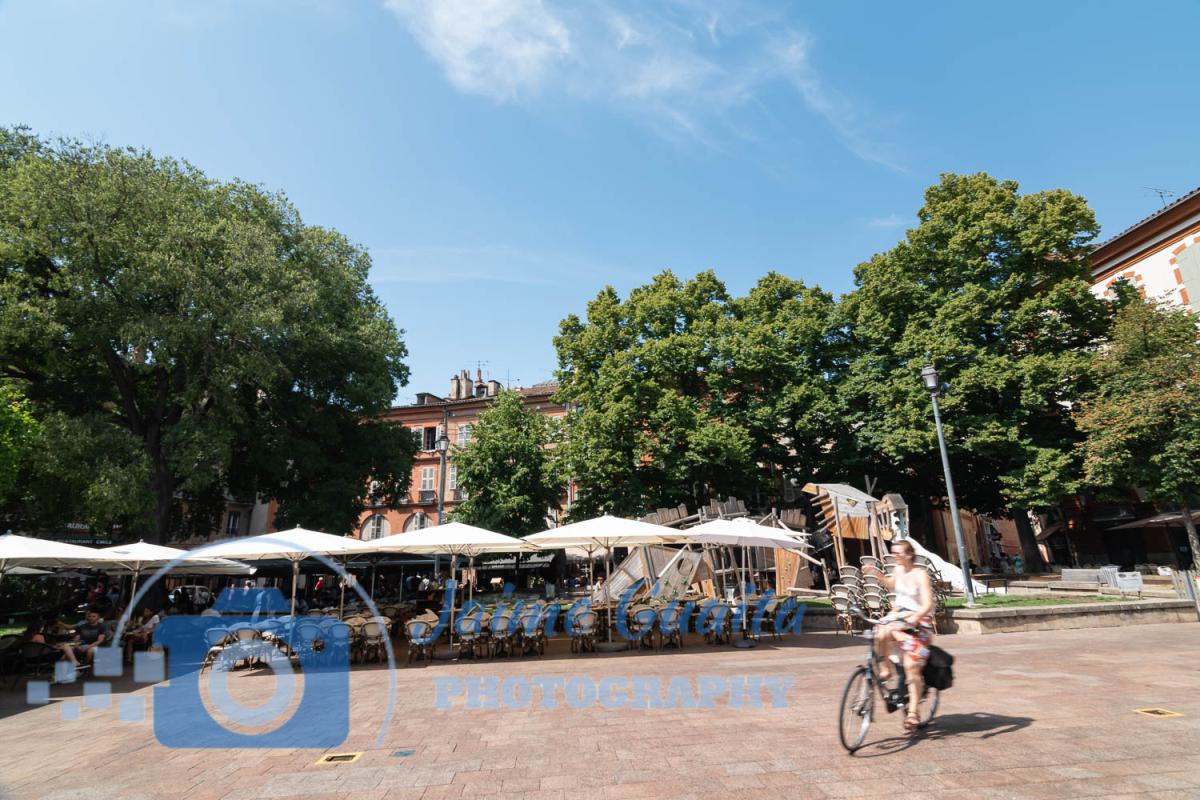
x,y
679,64
890,221
498,48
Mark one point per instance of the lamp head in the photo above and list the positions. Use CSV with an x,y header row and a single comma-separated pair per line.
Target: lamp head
x,y
930,377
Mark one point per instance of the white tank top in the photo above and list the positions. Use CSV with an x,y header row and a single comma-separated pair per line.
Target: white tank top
x,y
908,591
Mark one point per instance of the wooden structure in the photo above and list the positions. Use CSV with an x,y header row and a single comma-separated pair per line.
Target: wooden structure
x,y
848,513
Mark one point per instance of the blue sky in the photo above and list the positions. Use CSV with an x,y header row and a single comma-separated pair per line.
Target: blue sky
x,y
503,160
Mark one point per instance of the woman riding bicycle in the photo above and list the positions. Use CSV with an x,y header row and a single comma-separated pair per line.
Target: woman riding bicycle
x,y
912,627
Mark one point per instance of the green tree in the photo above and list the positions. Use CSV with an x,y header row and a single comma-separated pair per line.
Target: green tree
x,y
991,286
641,431
228,347
777,358
683,393
506,469
1143,420
18,431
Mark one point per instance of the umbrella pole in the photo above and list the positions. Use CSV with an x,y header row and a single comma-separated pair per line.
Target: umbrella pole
x,y
471,587
453,592
374,569
295,577
607,598
342,599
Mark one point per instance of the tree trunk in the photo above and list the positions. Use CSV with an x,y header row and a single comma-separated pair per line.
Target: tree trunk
x,y
1030,552
1193,539
162,483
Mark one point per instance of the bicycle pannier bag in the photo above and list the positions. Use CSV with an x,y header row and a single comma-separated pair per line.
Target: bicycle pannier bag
x,y
939,672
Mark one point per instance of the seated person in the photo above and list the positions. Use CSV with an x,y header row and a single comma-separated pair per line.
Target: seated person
x,y
140,633
89,634
37,633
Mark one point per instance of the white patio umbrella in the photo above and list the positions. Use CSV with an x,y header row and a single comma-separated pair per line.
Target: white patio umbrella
x,y
605,533
24,551
28,571
453,539
140,555
294,545
741,533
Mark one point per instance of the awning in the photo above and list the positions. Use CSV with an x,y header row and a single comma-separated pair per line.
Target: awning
x,y
537,561
1168,518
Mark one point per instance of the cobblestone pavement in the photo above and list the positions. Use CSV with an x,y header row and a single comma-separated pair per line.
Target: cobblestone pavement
x,y
1032,715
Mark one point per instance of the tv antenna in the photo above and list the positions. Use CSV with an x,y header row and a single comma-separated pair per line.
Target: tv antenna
x,y
1163,194
479,365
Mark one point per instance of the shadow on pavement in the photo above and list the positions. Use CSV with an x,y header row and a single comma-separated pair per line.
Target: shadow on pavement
x,y
947,727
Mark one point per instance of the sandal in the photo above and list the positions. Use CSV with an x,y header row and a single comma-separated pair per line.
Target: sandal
x,y
912,722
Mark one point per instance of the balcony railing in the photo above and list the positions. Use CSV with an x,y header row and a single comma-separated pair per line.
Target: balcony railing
x,y
427,496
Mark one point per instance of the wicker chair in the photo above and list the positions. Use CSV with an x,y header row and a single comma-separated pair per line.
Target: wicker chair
x,y
670,627
471,630
767,619
502,633
845,620
875,603
583,631
374,635
531,630
641,626
420,640
720,625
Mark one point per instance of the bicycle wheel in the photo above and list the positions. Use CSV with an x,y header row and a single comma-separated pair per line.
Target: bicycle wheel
x,y
858,706
929,706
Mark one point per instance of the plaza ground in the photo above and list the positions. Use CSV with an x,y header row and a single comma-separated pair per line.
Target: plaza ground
x,y
1032,715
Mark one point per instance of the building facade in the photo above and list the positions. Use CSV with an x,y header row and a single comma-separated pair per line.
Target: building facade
x,y
454,415
1160,255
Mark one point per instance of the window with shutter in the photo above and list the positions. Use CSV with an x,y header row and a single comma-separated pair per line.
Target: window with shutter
x,y
1188,263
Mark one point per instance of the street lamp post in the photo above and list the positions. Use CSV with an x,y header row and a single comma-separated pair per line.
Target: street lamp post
x,y
930,377
443,447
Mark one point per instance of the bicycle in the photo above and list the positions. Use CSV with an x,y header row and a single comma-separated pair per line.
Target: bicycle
x,y
858,699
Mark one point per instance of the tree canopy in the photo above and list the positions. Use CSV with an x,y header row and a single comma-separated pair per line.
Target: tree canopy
x,y
682,393
191,338
1142,421
506,469
18,431
991,288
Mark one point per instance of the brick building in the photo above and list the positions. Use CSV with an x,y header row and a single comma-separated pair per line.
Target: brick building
x,y
430,416
1160,255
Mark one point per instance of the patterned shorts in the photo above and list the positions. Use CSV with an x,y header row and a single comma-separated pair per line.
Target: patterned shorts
x,y
916,642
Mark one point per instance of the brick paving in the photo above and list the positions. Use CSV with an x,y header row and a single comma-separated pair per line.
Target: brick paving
x,y
1031,715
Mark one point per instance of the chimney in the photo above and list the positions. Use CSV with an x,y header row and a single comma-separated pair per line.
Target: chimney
x,y
455,388
493,388
480,386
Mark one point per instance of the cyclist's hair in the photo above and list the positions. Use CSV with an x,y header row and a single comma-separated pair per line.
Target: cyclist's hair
x,y
907,545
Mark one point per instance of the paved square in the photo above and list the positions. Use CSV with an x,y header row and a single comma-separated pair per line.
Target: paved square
x,y
1031,715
